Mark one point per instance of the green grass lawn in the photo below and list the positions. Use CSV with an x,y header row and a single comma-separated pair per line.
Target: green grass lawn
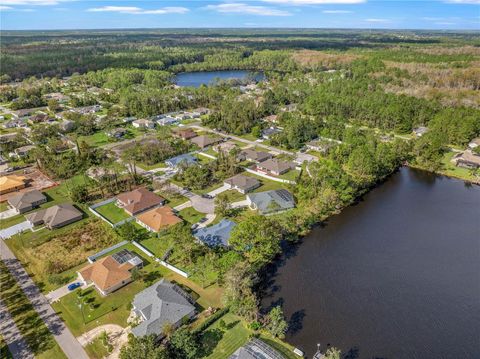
x,y
29,323
449,169
3,206
146,167
290,175
191,215
97,139
267,185
173,199
96,350
202,159
112,212
158,246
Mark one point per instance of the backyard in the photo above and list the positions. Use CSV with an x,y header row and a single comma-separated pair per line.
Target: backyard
x,y
190,215
112,212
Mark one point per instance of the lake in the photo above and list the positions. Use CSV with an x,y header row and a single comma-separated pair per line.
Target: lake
x,y
196,79
395,276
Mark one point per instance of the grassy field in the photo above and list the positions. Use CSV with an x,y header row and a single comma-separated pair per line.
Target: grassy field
x,y
96,349
3,206
146,167
173,199
191,215
112,212
290,175
97,139
29,323
267,185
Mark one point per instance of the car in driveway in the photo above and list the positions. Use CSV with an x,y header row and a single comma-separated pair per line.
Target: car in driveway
x,y
73,286
207,196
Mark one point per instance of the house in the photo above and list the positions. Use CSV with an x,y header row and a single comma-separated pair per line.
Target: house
x,y
474,143
186,158
242,183
60,97
269,132
167,121
275,166
225,147
216,235
15,123
27,201
256,349
26,112
467,159
55,217
271,201
185,133
39,118
87,109
201,111
12,183
206,141
118,132
8,137
112,272
322,145
24,150
159,304
143,123
139,200
254,156
66,125
420,131
271,119
158,218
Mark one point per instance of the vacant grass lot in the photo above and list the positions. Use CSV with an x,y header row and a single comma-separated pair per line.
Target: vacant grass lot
x,y
29,323
112,212
190,215
97,139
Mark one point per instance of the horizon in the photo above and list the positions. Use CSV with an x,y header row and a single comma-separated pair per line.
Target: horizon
x,y
82,15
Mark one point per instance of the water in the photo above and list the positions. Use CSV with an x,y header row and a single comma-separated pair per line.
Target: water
x,y
196,79
395,276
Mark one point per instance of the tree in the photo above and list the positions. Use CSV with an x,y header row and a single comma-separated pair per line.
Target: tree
x,y
184,344
143,347
333,353
276,323
79,193
222,205
168,329
53,105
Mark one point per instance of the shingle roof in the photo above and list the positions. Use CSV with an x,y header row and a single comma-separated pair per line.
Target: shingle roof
x,y
161,303
275,165
56,215
272,201
25,200
158,218
216,235
139,199
204,141
243,182
258,156
186,158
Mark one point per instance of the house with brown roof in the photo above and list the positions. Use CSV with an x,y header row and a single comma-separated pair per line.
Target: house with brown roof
x,y
55,217
206,141
158,218
112,272
467,159
185,133
254,156
275,166
474,143
242,183
139,200
12,183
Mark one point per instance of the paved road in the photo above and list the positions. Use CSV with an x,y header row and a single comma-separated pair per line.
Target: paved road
x,y
12,336
70,346
8,213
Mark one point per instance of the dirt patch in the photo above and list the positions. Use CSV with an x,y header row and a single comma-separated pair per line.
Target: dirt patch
x,y
36,180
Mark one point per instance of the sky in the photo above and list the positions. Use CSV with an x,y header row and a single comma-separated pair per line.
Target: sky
x,y
369,14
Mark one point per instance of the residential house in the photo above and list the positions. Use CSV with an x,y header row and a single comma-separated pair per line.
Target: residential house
x,y
271,201
205,141
467,159
139,200
40,118
112,272
158,219
321,145
160,304
201,111
20,114
254,156
474,143
24,150
8,137
27,201
12,183
60,97
242,183
225,147
216,235
118,132
167,121
420,131
15,123
186,158
143,123
275,166
87,109
268,133
256,349
185,133
56,216
271,119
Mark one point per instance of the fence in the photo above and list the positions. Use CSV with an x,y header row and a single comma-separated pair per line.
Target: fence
x,y
93,257
269,177
163,263
103,203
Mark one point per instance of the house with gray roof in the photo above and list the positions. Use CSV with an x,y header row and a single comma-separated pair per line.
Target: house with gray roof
x,y
275,166
256,349
254,156
186,158
55,217
159,304
216,235
27,201
271,201
242,183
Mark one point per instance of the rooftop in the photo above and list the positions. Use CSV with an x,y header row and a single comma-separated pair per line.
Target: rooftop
x,y
216,235
139,200
159,218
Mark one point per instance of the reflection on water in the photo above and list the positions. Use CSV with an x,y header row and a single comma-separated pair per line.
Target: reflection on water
x,y
196,79
395,276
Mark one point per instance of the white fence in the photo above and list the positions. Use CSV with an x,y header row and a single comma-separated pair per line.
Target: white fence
x,y
93,257
103,203
269,177
163,263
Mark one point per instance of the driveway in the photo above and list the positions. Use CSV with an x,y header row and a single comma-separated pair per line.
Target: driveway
x,y
8,213
219,190
203,205
18,228
239,204
56,294
65,339
12,336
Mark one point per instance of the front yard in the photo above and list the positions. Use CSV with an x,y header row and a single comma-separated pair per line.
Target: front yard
x,y
190,215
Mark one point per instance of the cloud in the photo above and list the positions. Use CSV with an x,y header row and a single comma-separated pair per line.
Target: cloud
x,y
377,20
31,2
241,8
5,7
337,12
476,2
139,11
315,2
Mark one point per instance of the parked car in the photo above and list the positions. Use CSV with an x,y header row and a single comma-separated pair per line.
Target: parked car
x,y
203,219
73,286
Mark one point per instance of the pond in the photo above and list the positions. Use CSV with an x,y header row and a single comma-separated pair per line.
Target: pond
x,y
196,79
395,276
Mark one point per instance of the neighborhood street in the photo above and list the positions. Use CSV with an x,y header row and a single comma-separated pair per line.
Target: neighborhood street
x,y
67,342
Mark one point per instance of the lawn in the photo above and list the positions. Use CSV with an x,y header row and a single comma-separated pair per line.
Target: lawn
x,y
203,160
29,323
290,175
209,188
97,139
267,185
3,206
112,212
449,169
96,350
157,245
146,167
191,215
233,195
173,199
